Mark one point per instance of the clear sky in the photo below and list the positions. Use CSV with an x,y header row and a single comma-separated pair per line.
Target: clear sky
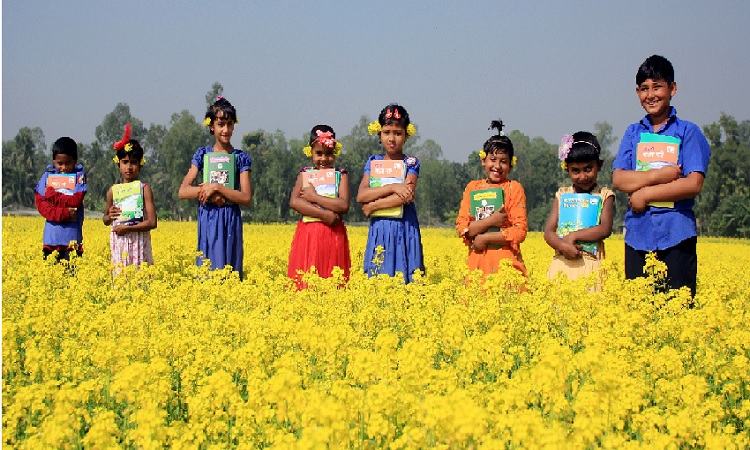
x,y
546,68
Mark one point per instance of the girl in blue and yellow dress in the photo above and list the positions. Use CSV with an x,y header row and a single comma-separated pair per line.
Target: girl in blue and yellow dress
x,y
219,218
394,244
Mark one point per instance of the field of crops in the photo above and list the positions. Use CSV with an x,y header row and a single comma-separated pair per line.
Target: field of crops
x,y
172,355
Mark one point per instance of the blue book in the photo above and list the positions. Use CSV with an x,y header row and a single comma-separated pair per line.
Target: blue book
x,y
579,211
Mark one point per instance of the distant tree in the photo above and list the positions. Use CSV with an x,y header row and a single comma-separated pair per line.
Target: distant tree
x,y
357,148
24,159
604,134
274,171
216,90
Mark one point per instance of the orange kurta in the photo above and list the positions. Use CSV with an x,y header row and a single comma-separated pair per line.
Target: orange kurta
x,y
515,207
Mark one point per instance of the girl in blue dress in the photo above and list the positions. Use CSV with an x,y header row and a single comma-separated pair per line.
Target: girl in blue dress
x,y
394,244
219,218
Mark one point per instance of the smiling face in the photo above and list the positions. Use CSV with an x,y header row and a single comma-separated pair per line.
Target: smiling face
x,y
130,168
64,163
655,97
583,174
222,128
497,167
322,157
393,138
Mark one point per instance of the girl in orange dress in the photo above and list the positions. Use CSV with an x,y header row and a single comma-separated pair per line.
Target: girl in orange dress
x,y
487,246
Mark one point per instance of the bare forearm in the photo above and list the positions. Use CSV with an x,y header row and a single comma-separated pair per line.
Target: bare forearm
x,y
629,181
239,197
681,189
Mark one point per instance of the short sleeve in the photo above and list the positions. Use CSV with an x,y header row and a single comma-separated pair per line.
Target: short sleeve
x,y
243,161
695,151
197,160
412,165
367,163
624,159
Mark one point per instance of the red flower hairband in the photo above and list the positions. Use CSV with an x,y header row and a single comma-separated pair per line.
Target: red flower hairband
x,y
326,139
395,114
125,139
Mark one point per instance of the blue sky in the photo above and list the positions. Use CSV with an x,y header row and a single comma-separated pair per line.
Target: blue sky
x,y
546,68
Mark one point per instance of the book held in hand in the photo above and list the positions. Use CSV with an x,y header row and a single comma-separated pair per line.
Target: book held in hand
x,y
484,202
654,152
382,173
325,182
64,183
579,211
220,168
129,198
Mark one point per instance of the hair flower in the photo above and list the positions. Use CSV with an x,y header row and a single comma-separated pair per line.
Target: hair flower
x,y
116,160
373,128
307,150
337,149
482,154
514,160
207,122
143,160
326,139
565,145
128,147
125,138
411,130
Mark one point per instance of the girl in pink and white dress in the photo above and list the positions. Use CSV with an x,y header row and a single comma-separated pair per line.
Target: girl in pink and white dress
x,y
130,239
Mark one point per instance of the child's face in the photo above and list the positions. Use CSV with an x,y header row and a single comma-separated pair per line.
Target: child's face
x,y
393,138
130,168
497,167
583,174
223,129
656,96
322,157
64,163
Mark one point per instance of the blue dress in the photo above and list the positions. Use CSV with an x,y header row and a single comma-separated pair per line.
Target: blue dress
x,y
220,227
400,238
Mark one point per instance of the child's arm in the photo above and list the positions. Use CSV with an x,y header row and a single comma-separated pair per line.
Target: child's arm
x,y
514,231
339,205
388,196
242,197
679,189
307,208
187,190
629,181
54,213
598,232
111,212
149,220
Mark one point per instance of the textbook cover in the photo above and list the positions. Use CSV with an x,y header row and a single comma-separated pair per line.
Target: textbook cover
x,y
64,183
325,182
579,211
129,198
220,168
484,202
382,173
654,152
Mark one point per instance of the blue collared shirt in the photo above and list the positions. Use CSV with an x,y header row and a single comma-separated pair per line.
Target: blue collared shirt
x,y
662,228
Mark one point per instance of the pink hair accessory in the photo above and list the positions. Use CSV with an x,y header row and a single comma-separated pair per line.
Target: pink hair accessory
x,y
326,139
565,145
221,97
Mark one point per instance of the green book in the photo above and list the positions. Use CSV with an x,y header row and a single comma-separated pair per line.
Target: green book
x,y
382,173
129,198
220,168
484,202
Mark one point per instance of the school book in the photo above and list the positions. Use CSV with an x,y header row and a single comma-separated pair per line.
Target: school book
x,y
654,152
220,168
382,173
579,211
325,182
129,198
62,182
484,202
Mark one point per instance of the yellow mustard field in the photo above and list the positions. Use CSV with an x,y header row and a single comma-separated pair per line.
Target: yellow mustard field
x,y
172,355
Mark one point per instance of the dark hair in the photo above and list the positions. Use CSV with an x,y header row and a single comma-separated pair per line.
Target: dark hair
x,y
65,146
322,129
656,68
136,153
585,148
394,114
498,143
221,109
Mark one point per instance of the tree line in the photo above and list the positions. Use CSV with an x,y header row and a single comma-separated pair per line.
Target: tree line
x,y
723,208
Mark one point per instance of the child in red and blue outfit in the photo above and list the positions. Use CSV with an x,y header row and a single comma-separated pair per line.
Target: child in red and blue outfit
x,y
63,208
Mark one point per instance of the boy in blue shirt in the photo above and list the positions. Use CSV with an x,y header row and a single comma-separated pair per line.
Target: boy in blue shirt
x,y
59,199
669,228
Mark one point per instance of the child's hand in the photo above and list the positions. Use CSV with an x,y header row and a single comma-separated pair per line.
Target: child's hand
x,y
218,199
638,201
72,215
666,174
367,209
120,230
480,243
207,190
570,249
404,191
309,194
498,218
114,213
330,218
